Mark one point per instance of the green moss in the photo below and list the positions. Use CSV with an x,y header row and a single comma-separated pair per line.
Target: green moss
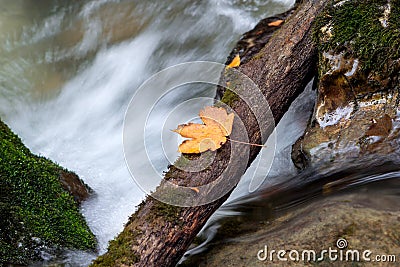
x,y
348,231
259,55
35,210
181,163
229,97
233,84
168,212
356,28
119,251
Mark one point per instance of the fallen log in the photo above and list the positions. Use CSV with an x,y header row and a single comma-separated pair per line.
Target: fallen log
x,y
158,234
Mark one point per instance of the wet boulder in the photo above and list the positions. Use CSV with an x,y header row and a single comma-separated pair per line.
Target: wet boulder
x,y
357,114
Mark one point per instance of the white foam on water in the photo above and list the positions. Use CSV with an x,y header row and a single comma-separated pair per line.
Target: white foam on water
x,y
82,130
335,116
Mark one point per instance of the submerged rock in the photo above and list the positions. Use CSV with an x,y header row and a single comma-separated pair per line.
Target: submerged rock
x,y
357,111
38,216
354,222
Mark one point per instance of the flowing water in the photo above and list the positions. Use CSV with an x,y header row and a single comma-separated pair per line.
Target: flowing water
x,y
69,68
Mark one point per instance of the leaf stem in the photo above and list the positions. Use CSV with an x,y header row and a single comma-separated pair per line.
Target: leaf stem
x,y
240,142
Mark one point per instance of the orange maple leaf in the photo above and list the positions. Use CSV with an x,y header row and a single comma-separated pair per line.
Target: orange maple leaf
x,y
234,63
275,23
208,136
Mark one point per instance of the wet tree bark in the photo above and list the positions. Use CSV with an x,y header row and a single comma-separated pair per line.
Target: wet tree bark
x,y
158,234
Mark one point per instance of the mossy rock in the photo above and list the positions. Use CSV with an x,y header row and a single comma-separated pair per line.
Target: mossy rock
x,y
359,62
365,29
36,213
